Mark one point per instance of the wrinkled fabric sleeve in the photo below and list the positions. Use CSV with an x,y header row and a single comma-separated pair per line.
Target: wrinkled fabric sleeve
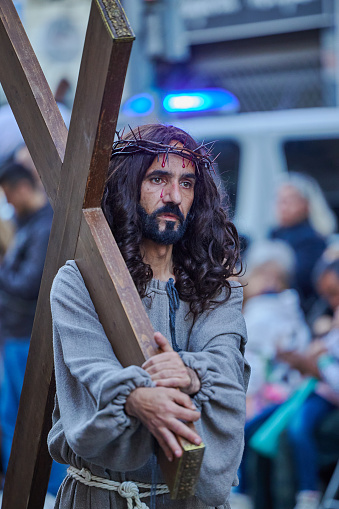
x,y
216,353
92,386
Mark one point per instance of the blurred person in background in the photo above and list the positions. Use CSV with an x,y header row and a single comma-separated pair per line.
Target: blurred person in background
x,y
304,221
321,314
20,276
274,320
6,237
22,157
321,360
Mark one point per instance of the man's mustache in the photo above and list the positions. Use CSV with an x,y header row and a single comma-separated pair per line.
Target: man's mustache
x,y
169,209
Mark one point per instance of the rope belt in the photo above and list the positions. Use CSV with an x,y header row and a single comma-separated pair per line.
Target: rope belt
x,y
126,489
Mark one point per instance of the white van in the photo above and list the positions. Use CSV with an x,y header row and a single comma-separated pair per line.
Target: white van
x,y
255,147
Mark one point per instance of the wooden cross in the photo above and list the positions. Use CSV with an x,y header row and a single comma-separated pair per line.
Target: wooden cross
x,y
73,168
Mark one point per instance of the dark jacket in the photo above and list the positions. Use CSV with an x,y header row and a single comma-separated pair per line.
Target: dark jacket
x,y
21,271
308,246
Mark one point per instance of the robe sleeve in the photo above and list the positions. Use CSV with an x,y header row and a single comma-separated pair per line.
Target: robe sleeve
x,y
216,353
92,386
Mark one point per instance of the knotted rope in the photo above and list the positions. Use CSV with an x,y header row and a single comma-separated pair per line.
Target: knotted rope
x,y
174,303
127,489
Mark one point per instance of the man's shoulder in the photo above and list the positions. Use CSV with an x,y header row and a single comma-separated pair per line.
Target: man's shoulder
x,y
228,302
68,276
235,292
225,318
69,270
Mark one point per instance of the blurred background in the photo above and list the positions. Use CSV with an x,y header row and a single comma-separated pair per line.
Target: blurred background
x,y
260,78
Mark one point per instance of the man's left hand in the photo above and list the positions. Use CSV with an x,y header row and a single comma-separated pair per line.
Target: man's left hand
x,y
168,370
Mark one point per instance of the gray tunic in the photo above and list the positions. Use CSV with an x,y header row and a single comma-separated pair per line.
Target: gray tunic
x,y
90,427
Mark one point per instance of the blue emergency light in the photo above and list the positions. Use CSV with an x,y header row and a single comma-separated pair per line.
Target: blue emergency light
x,y
140,104
209,99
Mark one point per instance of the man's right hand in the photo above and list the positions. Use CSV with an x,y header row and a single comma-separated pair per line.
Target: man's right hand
x,y
162,410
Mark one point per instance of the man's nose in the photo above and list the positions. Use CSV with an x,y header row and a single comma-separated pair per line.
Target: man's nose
x,y
172,193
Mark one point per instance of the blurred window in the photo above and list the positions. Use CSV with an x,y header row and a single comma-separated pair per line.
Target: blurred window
x,y
276,72
227,167
318,158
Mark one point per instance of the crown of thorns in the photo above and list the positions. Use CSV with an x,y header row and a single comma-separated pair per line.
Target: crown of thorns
x,y
136,145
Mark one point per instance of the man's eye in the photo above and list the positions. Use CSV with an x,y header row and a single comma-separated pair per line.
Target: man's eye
x,y
186,184
156,180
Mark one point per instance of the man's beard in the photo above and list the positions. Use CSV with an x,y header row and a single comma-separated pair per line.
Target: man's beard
x,y
150,225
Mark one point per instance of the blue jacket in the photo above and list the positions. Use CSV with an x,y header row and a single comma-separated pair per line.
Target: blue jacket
x,y
21,271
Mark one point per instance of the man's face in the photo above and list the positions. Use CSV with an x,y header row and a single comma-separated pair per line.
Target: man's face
x,y
166,196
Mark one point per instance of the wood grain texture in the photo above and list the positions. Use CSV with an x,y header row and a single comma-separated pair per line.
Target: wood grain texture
x,y
113,292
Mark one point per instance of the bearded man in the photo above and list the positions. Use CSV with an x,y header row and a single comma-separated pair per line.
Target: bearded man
x,y
181,250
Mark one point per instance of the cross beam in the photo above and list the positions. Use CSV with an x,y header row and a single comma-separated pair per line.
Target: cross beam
x,y
70,173
73,170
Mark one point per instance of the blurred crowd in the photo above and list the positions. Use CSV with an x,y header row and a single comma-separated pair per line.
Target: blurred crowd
x,y
291,308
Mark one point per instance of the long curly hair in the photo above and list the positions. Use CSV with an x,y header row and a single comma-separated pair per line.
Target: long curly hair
x,y
208,253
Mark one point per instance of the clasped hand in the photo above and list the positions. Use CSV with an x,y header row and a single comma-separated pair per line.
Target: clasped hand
x,y
168,370
162,409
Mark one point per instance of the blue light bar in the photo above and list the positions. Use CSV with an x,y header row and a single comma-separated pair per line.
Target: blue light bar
x,y
137,105
209,99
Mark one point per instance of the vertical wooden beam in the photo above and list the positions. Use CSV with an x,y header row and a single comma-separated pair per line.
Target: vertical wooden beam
x,y
108,281
75,233
101,80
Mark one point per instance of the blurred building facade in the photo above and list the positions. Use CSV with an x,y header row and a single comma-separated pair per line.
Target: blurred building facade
x,y
56,30
272,54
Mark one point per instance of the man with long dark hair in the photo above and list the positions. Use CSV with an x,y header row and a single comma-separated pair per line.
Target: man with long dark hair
x,y
181,250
